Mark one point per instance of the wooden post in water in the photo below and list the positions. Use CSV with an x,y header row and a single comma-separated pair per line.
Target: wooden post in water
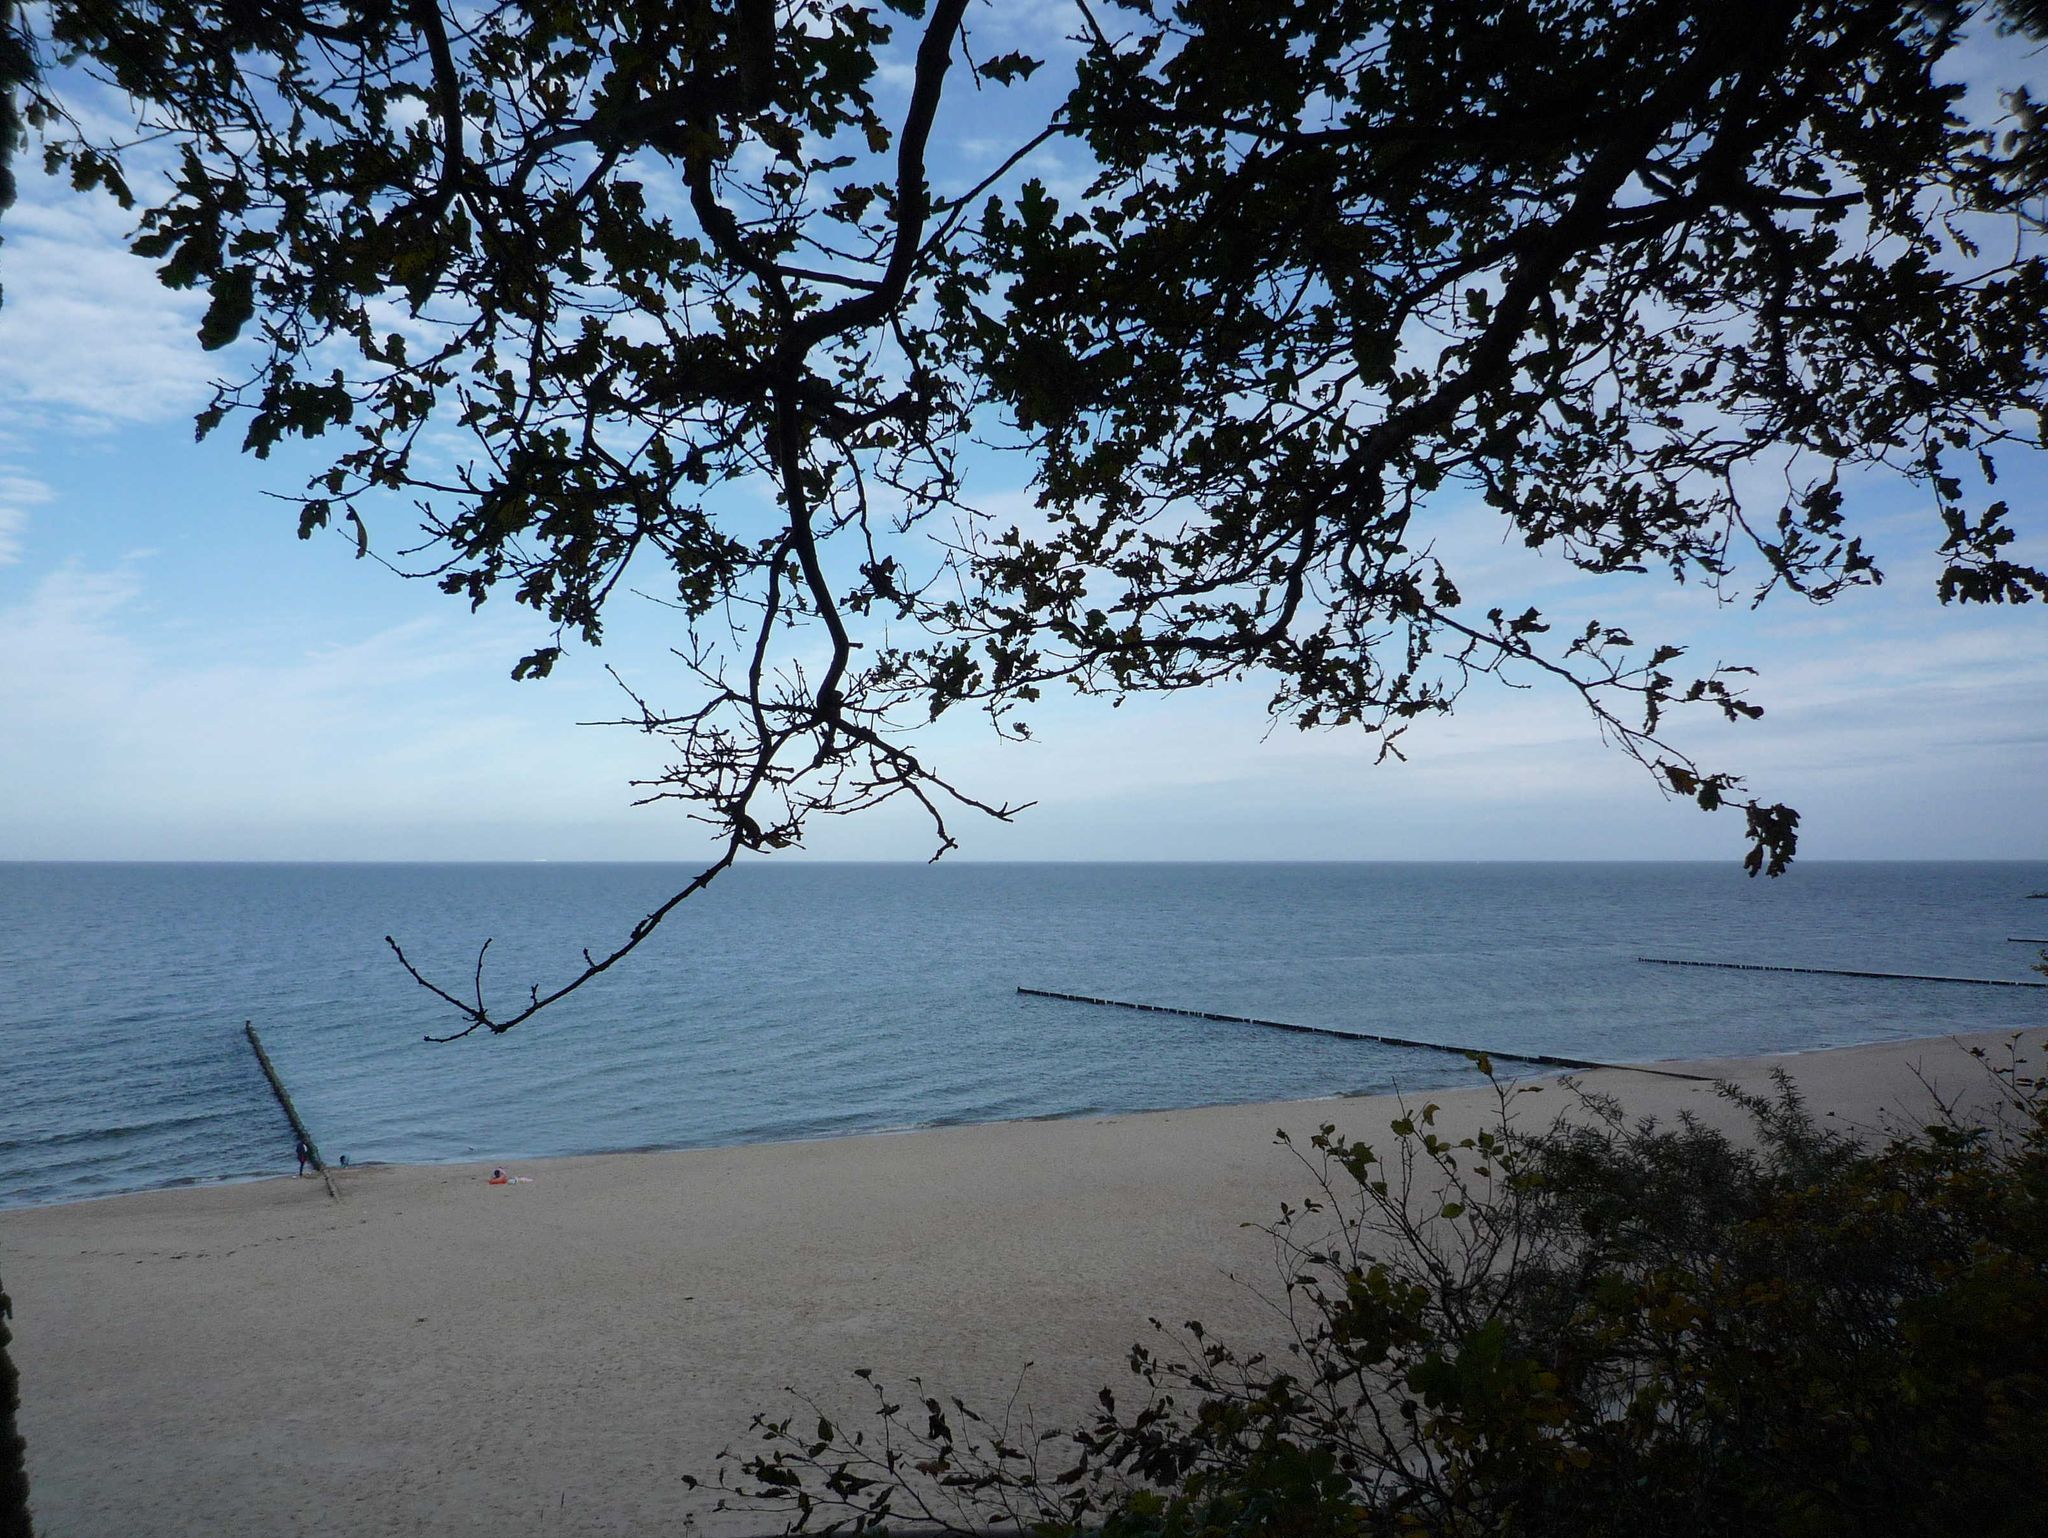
x,y
291,1111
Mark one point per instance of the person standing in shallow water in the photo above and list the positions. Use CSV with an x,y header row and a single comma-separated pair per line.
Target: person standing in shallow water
x,y
304,1153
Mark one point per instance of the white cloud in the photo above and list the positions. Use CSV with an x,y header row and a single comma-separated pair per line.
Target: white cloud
x,y
88,336
18,493
134,734
135,731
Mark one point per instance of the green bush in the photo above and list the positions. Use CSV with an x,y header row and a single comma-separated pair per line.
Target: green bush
x,y
14,1511
1603,1327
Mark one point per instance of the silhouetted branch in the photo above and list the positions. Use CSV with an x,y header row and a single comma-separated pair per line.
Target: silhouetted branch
x,y
478,1014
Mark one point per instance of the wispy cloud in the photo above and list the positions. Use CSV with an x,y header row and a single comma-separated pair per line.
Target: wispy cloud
x,y
133,736
18,493
88,336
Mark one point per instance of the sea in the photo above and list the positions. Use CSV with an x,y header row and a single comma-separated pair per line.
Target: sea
x,y
804,1000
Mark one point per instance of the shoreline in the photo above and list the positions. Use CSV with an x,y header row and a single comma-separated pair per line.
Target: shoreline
x,y
431,1355
776,1140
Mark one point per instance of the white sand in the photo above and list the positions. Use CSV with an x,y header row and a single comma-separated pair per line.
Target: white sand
x,y
433,1355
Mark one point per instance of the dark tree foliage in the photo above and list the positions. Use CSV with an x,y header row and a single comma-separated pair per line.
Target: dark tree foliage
x,y
1600,1328
1606,268
694,309
14,1509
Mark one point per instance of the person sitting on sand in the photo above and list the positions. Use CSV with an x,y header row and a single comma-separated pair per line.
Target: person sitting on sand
x,y
498,1178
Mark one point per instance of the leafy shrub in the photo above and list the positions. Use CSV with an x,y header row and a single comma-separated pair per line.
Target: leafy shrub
x,y
1603,1327
14,1511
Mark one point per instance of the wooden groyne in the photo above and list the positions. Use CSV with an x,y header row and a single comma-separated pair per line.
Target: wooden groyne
x,y
2023,940
1895,977
291,1112
1547,1059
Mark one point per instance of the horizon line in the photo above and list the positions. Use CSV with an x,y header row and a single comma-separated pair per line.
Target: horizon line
x,y
765,861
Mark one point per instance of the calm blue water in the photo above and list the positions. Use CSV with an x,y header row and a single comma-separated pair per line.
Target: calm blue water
x,y
800,1001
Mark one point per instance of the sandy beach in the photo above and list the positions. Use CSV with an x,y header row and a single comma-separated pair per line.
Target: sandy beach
x,y
434,1355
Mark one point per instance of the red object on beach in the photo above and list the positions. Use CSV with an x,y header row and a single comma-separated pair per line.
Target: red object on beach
x,y
498,1178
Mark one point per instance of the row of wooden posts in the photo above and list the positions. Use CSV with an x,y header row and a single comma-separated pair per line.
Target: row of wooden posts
x,y
1551,1060
291,1112
1547,1059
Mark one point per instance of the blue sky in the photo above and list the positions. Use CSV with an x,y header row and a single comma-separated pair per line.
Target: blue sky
x,y
185,679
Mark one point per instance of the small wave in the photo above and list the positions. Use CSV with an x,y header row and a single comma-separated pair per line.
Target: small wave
x,y
86,1136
